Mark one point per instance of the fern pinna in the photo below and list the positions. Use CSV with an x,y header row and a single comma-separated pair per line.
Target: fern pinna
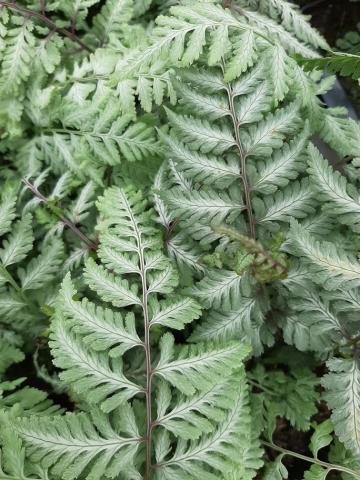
x,y
152,409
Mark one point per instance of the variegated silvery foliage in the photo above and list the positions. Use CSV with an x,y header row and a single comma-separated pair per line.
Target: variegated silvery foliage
x,y
36,250
25,269
51,116
239,152
246,199
35,253
78,77
152,408
24,273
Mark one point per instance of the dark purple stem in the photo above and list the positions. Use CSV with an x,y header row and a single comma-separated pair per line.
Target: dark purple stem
x,y
90,244
43,18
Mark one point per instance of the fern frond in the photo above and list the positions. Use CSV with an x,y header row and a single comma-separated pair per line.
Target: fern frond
x,y
88,341
200,210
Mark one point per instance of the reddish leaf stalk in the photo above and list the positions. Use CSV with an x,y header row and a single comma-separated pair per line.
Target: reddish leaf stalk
x,y
90,244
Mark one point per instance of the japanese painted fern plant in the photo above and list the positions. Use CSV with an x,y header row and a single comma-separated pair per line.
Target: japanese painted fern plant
x,y
252,254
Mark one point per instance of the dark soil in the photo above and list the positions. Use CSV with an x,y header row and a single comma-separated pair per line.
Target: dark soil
x,y
333,18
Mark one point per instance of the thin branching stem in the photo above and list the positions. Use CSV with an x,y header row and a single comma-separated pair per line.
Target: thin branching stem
x,y
149,425
44,19
329,466
71,225
147,346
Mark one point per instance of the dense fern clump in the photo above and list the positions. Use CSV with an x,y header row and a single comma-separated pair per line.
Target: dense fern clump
x,y
179,271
